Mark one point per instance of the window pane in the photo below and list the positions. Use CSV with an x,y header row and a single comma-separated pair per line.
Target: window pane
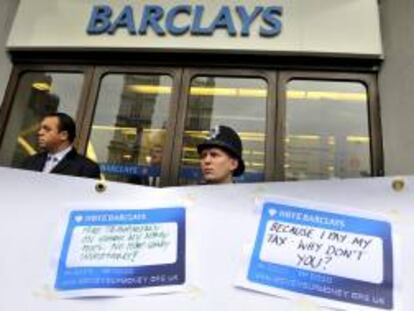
x,y
38,94
236,102
128,131
327,132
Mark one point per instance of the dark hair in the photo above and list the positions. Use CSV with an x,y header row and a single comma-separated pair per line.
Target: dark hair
x,y
66,123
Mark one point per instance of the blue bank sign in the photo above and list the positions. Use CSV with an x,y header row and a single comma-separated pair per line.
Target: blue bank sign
x,y
186,19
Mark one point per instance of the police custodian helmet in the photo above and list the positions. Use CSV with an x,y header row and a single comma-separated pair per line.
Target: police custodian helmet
x,y
227,139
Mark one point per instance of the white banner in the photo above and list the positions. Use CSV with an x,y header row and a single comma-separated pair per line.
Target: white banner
x,y
221,235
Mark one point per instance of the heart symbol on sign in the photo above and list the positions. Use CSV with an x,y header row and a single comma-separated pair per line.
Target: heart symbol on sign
x,y
78,218
272,212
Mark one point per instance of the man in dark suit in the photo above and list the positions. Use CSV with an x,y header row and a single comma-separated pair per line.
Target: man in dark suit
x,y
55,137
150,174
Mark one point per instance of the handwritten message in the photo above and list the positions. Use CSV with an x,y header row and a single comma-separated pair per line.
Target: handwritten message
x,y
328,251
123,245
339,256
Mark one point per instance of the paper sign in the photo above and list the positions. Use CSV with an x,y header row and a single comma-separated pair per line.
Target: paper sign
x,y
123,249
322,250
323,254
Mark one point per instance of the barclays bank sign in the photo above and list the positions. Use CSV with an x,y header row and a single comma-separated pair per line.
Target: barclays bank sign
x,y
191,20
333,28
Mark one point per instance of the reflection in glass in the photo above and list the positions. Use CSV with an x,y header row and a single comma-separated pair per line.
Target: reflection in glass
x,y
327,132
236,102
128,131
38,94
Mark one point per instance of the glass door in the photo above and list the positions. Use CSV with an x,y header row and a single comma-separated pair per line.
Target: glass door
x,y
131,116
143,124
241,100
38,91
329,126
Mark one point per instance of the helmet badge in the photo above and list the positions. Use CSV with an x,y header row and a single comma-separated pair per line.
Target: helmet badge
x,y
214,132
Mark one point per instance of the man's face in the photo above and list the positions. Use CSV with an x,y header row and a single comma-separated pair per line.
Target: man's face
x,y
217,166
156,155
48,137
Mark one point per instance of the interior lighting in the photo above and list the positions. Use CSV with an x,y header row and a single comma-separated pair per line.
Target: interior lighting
x,y
41,86
26,146
148,89
191,160
324,95
90,152
256,164
357,139
250,92
305,137
123,128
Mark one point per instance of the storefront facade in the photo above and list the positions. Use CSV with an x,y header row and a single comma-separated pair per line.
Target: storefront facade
x,y
146,81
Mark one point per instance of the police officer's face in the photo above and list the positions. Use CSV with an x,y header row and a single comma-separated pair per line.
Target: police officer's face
x,y
217,166
49,137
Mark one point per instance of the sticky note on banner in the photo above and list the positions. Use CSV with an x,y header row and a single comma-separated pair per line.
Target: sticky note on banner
x,y
104,249
327,255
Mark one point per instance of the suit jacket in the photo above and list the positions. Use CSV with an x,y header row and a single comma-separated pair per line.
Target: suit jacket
x,y
72,164
153,181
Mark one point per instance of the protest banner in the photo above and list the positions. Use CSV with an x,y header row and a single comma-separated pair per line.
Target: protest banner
x,y
36,210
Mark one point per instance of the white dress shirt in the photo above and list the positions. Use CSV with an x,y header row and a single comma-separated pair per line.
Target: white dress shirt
x,y
53,159
154,181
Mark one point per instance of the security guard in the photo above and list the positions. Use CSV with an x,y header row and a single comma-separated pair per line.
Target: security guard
x,y
221,156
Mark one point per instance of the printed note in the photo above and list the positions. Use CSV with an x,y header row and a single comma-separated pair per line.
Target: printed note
x,y
123,249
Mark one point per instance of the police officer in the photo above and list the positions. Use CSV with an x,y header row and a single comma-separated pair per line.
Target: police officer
x,y
221,156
